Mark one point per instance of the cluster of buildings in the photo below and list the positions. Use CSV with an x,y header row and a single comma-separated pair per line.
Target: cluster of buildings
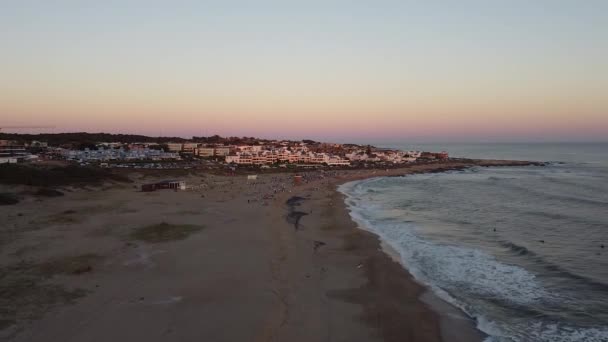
x,y
286,157
393,156
12,152
276,153
254,153
104,154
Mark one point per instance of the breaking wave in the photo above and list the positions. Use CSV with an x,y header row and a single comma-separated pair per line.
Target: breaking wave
x,y
471,279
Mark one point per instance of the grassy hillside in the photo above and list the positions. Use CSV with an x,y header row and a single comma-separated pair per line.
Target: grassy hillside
x,y
55,176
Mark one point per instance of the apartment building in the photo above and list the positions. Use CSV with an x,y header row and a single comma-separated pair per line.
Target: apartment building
x,y
175,147
222,151
190,147
205,152
271,157
11,152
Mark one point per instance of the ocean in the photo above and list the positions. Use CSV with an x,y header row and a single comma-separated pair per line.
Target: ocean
x,y
522,250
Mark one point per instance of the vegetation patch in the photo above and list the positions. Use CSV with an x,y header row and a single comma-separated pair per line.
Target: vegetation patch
x,y
55,176
8,199
72,265
46,192
65,217
164,231
26,294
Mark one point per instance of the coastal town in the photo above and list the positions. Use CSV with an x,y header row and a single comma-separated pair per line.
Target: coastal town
x,y
252,152
215,221
303,171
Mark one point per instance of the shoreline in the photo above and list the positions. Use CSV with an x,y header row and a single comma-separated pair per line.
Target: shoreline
x,y
244,256
435,319
453,324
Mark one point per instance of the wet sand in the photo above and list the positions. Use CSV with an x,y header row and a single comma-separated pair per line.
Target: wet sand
x,y
250,267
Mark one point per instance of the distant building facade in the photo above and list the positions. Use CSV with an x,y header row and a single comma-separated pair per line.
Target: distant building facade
x,y
205,152
12,152
175,147
189,147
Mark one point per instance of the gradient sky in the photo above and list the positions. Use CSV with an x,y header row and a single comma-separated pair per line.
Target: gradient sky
x,y
333,70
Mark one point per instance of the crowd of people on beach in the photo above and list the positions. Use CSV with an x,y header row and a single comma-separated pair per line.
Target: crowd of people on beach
x,y
268,188
262,191
264,188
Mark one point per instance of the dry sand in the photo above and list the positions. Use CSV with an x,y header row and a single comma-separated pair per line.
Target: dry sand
x,y
220,263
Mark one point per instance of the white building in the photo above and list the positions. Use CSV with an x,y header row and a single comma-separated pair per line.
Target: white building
x,y
271,157
8,160
104,154
12,152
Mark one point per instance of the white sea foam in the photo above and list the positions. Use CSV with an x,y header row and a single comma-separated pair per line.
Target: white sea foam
x,y
535,330
452,267
462,276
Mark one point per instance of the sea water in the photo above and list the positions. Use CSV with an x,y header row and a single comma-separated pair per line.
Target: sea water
x,y
519,249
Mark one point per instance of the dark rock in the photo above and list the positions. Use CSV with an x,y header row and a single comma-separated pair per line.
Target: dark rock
x,y
8,199
46,192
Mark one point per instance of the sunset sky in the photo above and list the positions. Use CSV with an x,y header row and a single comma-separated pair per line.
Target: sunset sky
x,y
332,70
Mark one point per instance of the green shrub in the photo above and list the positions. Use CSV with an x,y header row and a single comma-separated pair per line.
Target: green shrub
x,y
8,199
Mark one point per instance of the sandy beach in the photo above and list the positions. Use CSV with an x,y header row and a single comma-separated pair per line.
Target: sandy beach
x,y
230,260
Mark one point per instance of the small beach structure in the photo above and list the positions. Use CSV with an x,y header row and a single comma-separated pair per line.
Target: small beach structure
x,y
297,180
166,184
252,177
